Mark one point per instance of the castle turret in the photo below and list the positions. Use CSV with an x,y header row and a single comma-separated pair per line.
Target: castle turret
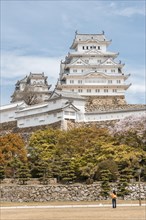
x,y
32,89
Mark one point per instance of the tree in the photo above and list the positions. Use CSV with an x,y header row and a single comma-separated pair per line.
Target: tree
x,y
67,170
12,152
80,154
110,165
43,172
124,181
23,174
42,151
105,179
2,173
30,96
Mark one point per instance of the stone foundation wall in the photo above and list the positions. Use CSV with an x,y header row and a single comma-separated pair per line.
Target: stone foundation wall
x,y
98,124
107,103
6,128
80,192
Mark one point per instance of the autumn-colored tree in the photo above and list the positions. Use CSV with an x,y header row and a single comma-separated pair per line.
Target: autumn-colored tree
x,y
79,154
12,152
42,150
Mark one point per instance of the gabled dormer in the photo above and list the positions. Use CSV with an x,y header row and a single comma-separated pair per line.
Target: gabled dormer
x,y
95,75
79,61
111,62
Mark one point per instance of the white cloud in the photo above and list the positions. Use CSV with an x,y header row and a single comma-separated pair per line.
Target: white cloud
x,y
130,11
18,66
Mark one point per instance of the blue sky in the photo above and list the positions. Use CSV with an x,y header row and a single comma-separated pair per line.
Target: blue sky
x,y
36,36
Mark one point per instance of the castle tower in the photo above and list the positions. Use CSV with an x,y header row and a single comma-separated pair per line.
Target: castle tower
x,y
32,89
91,70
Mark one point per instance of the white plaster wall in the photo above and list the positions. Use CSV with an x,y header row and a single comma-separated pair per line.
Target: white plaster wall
x,y
112,116
7,115
39,119
94,93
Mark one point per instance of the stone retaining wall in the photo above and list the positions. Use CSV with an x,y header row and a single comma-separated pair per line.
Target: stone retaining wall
x,y
108,103
79,192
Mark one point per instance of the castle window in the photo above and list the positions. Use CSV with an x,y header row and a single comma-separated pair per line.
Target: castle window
x,y
87,47
87,61
71,81
90,47
105,90
94,47
82,71
119,70
80,90
72,90
105,71
99,48
83,47
88,90
97,90
79,81
109,81
75,71
114,90
113,71
66,113
118,81
72,113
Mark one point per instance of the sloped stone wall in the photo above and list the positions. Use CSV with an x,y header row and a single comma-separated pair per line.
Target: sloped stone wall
x,y
98,124
107,103
6,128
78,192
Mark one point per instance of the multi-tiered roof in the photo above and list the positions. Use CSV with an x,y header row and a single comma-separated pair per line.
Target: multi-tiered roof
x,y
91,70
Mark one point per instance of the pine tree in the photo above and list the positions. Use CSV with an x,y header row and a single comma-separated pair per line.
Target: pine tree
x,y
105,187
23,174
44,172
124,180
67,171
2,173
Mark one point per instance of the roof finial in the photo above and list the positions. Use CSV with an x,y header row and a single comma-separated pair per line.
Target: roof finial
x,y
102,32
76,32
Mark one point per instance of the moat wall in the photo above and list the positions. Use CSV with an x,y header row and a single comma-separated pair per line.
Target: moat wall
x,y
76,192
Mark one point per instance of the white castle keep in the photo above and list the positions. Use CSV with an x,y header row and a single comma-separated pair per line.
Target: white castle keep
x,y
91,70
91,87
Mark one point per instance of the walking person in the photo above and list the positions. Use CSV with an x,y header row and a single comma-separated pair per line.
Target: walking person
x,y
114,197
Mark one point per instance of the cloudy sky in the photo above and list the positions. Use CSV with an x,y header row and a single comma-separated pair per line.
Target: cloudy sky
x,y
36,36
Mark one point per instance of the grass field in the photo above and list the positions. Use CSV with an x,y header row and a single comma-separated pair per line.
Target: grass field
x,y
85,213
120,213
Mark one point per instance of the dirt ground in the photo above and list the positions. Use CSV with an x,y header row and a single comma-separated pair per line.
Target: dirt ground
x,y
103,213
